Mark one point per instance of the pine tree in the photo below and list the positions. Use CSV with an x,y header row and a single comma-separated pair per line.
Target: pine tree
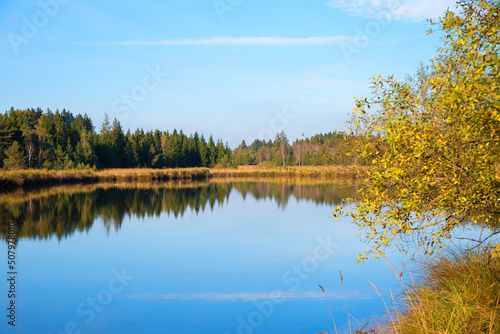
x,y
213,150
118,144
16,159
6,134
204,152
60,157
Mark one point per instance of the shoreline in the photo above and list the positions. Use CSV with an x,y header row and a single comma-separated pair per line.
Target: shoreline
x,y
42,177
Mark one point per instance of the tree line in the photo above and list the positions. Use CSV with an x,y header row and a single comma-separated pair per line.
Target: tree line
x,y
331,148
59,140
33,138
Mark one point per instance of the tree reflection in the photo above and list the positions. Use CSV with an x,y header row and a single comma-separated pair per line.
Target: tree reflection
x,y
61,211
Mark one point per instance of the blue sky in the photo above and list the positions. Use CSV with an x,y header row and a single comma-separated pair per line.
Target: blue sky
x,y
237,69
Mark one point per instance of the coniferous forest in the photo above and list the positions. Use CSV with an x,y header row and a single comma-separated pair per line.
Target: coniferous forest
x,y
33,138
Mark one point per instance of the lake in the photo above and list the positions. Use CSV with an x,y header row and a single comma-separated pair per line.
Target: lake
x,y
219,256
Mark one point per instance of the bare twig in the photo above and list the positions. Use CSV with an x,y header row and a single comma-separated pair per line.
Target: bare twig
x,y
345,298
328,303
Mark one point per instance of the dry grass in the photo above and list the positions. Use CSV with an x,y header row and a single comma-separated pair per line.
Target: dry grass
x,y
30,177
148,174
33,177
457,293
301,171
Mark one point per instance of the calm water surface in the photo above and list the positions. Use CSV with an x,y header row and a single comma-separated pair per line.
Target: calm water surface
x,y
242,256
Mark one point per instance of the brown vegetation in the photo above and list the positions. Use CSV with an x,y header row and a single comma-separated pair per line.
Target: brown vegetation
x,y
34,177
31,177
458,292
295,171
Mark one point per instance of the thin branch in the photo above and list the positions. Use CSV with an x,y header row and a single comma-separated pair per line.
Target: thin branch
x,y
432,224
480,141
480,243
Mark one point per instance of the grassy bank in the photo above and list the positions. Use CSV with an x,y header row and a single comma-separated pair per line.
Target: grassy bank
x,y
35,177
459,292
290,171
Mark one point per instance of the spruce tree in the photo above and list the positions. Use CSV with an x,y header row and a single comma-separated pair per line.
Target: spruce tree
x,y
16,159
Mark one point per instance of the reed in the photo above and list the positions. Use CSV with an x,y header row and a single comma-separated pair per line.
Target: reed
x,y
35,177
339,171
459,292
31,177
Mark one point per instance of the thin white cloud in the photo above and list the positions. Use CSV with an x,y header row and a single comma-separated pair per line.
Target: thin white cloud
x,y
236,41
247,296
409,10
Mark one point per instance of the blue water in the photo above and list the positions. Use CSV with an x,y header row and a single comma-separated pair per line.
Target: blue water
x,y
247,266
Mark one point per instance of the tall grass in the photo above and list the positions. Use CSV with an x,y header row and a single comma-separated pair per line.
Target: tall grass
x,y
329,308
294,171
459,292
30,177
456,293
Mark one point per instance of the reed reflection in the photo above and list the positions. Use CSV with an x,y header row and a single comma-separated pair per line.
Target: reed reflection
x,y
61,211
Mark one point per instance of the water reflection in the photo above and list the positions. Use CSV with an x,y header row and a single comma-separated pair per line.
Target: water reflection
x,y
61,211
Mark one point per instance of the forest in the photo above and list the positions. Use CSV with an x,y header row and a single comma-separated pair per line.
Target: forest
x,y
33,138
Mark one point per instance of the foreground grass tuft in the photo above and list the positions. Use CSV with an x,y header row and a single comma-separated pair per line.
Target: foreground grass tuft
x,y
459,292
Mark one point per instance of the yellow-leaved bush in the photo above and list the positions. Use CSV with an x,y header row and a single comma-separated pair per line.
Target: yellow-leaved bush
x,y
433,139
